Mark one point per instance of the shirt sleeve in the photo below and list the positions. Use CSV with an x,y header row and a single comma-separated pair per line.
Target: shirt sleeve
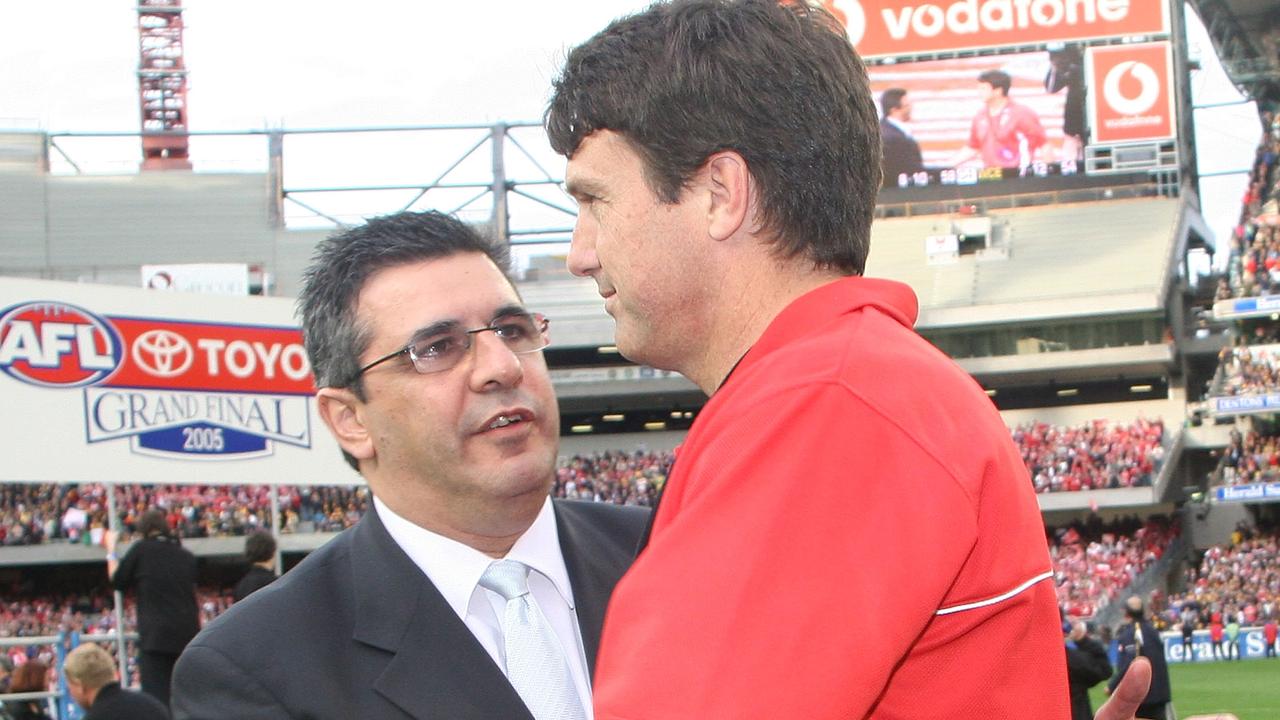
x,y
804,552
1030,126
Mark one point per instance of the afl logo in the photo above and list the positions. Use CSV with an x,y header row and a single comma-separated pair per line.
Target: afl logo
x,y
162,353
54,344
1131,104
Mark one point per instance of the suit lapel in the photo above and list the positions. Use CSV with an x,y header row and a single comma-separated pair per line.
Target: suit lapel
x,y
594,568
437,668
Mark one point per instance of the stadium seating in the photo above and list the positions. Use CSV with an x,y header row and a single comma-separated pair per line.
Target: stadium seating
x,y
1093,562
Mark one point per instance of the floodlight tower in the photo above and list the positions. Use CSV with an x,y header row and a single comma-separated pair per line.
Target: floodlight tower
x,y
162,85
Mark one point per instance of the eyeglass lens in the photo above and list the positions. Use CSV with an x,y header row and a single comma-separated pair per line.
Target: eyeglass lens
x,y
441,351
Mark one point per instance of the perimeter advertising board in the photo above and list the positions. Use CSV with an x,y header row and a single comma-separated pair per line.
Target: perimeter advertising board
x,y
113,384
880,28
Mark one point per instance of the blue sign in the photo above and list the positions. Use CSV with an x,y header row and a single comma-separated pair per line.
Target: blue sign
x,y
1251,645
1248,493
1245,404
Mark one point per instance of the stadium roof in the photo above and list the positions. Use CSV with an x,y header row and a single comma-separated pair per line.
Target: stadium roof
x,y
1243,34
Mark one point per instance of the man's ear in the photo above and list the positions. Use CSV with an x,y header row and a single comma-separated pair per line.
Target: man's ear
x,y
729,183
343,412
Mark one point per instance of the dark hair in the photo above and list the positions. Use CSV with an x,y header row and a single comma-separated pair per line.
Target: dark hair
x,y
778,84
343,263
30,676
153,524
997,79
891,99
259,547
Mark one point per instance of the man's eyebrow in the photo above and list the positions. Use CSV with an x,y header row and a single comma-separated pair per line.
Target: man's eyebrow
x,y
508,311
435,328
582,187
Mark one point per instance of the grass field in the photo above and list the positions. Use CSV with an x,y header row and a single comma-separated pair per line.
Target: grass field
x,y
1250,689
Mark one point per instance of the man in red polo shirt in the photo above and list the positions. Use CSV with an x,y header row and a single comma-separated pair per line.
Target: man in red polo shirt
x,y
848,530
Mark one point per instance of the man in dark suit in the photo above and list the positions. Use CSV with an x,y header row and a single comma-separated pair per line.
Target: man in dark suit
x,y
260,551
1138,638
163,573
91,681
432,380
901,152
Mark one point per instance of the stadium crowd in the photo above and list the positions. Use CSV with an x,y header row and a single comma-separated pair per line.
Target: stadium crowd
x,y
1251,456
1247,369
1238,582
33,513
624,478
1095,561
1091,456
1255,267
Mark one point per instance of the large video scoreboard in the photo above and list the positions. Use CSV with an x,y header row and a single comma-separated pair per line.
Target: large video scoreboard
x,y
1092,97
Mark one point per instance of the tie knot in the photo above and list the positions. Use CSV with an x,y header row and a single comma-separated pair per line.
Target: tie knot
x,y
508,578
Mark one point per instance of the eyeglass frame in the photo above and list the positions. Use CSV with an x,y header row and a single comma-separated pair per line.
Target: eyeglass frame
x,y
541,322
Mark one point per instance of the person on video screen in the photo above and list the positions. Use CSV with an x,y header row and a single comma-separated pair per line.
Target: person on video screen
x,y
1001,126
901,152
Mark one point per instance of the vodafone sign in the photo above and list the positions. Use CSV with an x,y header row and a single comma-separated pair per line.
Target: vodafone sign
x,y
1131,98
880,28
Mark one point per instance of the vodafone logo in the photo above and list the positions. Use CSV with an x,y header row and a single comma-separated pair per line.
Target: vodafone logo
x,y
887,28
1140,74
54,344
162,353
855,19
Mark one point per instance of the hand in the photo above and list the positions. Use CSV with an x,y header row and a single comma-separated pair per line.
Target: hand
x,y
1078,631
1129,694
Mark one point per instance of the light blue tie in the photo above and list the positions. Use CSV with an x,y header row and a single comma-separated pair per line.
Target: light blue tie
x,y
536,664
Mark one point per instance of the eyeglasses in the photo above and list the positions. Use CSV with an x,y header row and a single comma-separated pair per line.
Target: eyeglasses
x,y
439,351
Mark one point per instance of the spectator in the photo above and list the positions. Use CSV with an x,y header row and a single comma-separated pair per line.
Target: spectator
x,y
260,551
164,575
1136,637
1269,633
93,684
1087,665
31,676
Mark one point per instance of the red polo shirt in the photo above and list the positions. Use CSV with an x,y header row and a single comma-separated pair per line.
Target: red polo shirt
x,y
848,532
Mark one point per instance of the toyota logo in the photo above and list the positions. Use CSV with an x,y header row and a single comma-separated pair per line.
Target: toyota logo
x,y
162,353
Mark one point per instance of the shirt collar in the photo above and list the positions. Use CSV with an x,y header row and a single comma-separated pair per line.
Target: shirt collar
x,y
455,568
895,123
820,306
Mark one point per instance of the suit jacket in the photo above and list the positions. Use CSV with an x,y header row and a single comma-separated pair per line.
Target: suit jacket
x,y
255,579
116,703
901,153
357,631
1087,665
164,574
1153,649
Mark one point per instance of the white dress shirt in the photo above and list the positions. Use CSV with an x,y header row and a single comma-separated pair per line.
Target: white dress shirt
x,y
455,570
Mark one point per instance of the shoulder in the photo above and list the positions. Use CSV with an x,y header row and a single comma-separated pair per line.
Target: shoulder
x,y
289,604
624,523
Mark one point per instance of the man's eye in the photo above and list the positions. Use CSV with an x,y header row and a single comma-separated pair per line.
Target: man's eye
x,y
515,329
435,347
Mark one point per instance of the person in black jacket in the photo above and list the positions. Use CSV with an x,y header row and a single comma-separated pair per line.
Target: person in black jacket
x,y
92,683
260,551
901,153
1087,665
164,575
1137,638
